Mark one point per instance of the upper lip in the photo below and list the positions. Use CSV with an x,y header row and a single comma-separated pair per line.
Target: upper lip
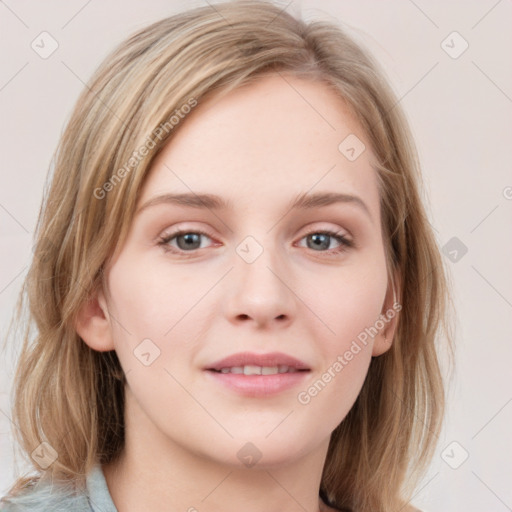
x,y
251,358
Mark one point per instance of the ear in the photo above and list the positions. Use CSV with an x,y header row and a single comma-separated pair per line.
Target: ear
x,y
93,323
389,316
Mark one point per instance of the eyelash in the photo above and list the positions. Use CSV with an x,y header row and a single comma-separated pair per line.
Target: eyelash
x,y
163,241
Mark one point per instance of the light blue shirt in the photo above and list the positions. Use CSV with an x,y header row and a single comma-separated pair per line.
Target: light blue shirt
x,y
44,497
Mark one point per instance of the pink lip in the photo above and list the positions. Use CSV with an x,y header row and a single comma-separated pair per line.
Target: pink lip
x,y
258,385
251,358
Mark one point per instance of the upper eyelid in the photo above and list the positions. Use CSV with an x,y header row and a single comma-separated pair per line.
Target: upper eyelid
x,y
173,231
343,233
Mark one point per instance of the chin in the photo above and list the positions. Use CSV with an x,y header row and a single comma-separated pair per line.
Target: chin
x,y
264,452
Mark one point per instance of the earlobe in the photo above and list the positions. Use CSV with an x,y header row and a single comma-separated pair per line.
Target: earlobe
x,y
382,344
390,316
93,323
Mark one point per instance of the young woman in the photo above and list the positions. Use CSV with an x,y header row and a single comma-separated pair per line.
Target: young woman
x,y
237,291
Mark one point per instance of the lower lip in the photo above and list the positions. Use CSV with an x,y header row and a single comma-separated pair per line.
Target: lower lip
x,y
258,385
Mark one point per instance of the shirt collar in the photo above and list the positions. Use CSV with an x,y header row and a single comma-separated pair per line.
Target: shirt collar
x,y
98,494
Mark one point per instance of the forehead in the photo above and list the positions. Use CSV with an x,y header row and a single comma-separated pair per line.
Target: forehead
x,y
265,143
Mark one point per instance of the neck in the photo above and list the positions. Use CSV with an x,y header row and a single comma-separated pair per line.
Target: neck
x,y
158,474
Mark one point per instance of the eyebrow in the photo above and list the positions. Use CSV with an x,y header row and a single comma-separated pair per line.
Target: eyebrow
x,y
303,201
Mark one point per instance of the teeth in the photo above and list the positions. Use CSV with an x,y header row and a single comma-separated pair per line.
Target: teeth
x,y
252,370
259,370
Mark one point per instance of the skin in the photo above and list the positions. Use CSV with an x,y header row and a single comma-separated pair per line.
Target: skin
x,y
259,147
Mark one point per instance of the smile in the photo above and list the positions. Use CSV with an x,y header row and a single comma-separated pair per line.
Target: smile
x,y
258,370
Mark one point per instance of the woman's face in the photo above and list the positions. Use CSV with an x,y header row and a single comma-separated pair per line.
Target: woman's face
x,y
251,273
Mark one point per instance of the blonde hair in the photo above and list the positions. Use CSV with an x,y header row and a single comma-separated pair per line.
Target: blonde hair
x,y
72,397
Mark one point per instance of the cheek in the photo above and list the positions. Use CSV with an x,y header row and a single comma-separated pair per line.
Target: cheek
x,y
347,302
154,317
143,308
342,339
148,297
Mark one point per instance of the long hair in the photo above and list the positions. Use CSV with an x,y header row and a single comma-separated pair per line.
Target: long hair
x,y
72,397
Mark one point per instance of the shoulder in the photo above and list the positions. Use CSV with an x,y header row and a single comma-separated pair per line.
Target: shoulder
x,y
44,496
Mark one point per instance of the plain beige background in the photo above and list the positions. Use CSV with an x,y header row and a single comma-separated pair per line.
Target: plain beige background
x,y
456,89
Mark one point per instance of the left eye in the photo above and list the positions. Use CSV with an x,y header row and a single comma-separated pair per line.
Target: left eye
x,y
188,241
322,239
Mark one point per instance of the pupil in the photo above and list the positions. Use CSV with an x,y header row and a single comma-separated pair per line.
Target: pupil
x,y
190,239
318,242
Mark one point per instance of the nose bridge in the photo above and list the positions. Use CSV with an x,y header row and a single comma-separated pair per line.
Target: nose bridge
x,y
259,289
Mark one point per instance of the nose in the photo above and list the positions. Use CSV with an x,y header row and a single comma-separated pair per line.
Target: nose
x,y
261,292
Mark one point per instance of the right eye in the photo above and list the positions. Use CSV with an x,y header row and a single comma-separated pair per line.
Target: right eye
x,y
186,240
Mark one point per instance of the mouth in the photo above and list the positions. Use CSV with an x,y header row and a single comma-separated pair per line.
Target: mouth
x,y
257,375
250,363
258,370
